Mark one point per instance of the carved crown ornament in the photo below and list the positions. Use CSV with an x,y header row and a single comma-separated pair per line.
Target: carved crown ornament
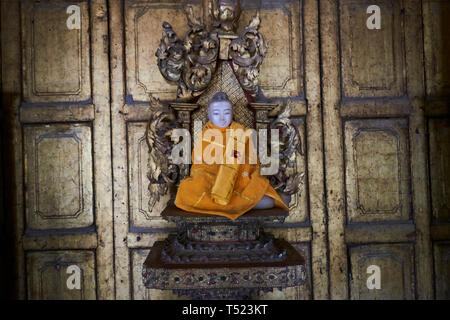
x,y
192,62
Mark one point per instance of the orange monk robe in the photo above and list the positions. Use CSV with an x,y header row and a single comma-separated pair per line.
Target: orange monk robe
x,y
228,190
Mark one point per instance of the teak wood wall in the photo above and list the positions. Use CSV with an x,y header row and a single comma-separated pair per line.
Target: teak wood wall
x,y
372,107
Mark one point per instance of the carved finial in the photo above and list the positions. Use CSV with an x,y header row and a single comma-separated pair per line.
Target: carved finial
x,y
256,20
192,19
225,14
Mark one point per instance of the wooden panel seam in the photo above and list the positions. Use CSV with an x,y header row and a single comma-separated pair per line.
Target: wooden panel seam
x,y
57,242
56,113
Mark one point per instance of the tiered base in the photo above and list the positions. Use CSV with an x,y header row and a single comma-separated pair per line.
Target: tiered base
x,y
226,260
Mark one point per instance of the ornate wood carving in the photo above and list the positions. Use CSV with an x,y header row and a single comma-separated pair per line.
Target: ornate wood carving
x,y
192,62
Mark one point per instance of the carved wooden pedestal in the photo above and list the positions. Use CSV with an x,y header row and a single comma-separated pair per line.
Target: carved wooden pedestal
x,y
213,257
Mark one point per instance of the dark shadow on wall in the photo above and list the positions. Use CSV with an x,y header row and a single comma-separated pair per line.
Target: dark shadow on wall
x,y
444,57
8,266
443,293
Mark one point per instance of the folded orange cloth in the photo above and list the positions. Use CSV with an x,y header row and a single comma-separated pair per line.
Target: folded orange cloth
x,y
228,189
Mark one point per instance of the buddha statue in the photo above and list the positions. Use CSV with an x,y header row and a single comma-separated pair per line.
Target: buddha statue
x,y
218,185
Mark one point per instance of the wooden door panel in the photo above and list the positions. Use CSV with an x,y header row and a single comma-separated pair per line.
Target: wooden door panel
x,y
437,46
375,148
396,263
439,129
48,275
374,61
143,26
58,176
281,74
377,170
437,108
56,68
442,269
60,124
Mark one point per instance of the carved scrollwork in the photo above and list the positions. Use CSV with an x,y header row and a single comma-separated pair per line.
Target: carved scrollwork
x,y
247,53
287,179
191,62
170,54
161,172
200,63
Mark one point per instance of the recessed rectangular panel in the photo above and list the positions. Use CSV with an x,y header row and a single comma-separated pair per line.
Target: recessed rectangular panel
x,y
439,133
372,59
58,176
56,51
384,271
437,46
377,170
143,29
281,74
442,269
61,275
142,213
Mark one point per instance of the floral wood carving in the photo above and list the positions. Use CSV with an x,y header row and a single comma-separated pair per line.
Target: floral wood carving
x,y
247,53
287,180
162,173
191,62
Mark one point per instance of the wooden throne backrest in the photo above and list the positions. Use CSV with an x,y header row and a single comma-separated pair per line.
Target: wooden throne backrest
x,y
224,80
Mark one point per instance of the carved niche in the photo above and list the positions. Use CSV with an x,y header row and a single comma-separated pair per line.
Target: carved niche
x,y
202,63
212,257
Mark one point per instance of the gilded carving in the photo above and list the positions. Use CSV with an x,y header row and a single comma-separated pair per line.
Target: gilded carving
x,y
162,173
225,14
287,180
192,62
247,53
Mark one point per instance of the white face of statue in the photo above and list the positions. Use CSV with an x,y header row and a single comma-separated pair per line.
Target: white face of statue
x,y
220,113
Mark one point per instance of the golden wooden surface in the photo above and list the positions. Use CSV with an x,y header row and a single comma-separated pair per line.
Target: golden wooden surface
x,y
396,263
48,276
55,68
58,173
66,157
371,106
377,170
392,68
